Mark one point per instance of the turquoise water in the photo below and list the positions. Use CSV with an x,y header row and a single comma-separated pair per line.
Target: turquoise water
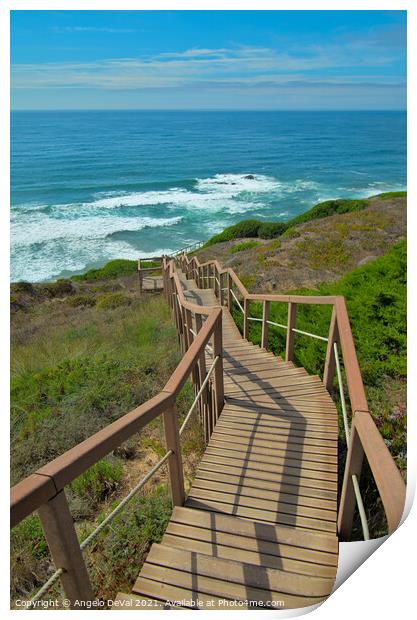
x,y
91,186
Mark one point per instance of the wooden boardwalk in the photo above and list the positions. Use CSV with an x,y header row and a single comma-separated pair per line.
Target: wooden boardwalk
x,y
259,523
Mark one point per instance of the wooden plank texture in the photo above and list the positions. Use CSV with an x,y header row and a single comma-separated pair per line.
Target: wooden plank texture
x,y
259,522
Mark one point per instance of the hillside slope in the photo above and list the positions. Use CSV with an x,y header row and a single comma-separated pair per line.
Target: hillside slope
x,y
84,352
318,250
361,254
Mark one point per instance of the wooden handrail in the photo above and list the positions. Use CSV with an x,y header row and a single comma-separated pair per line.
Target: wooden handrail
x,y
179,377
44,490
358,399
365,438
143,270
32,492
196,325
29,494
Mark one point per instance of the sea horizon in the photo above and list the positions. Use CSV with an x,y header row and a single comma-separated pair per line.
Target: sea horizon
x,y
286,110
148,182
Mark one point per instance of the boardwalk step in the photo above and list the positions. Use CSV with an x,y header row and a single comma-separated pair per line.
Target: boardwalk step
x,y
242,527
262,545
259,524
219,577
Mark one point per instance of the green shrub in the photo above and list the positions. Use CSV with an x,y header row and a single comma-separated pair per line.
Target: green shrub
x,y
17,302
30,529
248,281
60,288
241,247
81,301
84,331
121,548
387,195
98,482
146,264
245,228
22,287
110,301
329,207
270,230
113,269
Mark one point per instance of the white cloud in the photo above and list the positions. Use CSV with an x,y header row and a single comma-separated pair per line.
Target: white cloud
x,y
243,65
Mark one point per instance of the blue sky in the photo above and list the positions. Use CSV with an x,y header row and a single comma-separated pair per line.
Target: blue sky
x,y
208,59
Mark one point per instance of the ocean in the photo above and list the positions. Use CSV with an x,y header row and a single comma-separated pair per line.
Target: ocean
x,y
90,186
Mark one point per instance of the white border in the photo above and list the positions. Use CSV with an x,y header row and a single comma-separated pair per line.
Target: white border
x,y
384,586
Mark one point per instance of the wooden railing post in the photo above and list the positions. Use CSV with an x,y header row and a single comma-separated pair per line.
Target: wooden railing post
x,y
194,372
221,292
353,466
246,318
176,475
265,325
289,350
229,292
167,284
218,370
178,315
140,276
330,363
58,526
203,404
185,334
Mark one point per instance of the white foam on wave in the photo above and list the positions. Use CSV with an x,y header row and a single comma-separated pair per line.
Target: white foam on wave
x,y
235,184
52,239
301,185
58,257
213,193
176,197
227,193
30,230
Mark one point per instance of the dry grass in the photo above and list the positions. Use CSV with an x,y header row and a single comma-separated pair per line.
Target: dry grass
x,y
317,251
75,368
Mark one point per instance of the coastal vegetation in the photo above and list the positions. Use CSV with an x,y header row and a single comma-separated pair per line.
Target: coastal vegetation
x,y
376,300
354,248
270,230
76,367
113,269
88,349
321,249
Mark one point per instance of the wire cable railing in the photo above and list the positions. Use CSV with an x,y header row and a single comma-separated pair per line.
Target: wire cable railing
x,y
363,436
44,490
358,495
198,395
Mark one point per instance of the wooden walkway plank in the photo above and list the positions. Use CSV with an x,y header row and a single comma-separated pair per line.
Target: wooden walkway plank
x,y
234,572
259,522
243,527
